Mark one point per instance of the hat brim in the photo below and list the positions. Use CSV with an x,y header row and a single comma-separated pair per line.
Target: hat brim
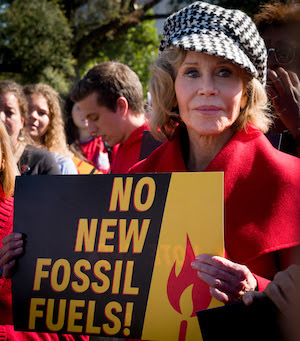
x,y
216,44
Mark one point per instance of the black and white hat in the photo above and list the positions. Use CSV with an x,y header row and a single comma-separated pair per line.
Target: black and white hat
x,y
226,33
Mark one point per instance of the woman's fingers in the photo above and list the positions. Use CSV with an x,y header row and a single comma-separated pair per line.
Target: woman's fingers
x,y
218,278
12,248
231,280
8,269
11,237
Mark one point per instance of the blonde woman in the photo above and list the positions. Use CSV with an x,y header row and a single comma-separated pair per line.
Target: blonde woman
x,y
208,99
46,126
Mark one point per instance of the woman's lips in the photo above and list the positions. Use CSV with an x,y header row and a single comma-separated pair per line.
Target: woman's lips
x,y
208,109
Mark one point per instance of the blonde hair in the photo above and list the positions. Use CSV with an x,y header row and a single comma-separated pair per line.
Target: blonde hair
x,y
9,168
165,115
54,139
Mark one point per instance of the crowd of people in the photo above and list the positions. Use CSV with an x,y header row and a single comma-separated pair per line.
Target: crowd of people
x,y
225,96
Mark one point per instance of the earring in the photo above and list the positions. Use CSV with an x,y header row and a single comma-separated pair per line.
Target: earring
x,y
21,136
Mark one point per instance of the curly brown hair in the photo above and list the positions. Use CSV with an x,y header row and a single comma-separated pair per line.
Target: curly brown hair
x,y
277,14
54,139
10,86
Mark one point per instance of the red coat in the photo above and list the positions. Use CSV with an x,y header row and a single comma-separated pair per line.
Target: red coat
x,y
94,151
127,154
261,198
7,332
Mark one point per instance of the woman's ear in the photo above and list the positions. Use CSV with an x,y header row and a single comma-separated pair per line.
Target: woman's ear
x,y
122,106
2,164
244,100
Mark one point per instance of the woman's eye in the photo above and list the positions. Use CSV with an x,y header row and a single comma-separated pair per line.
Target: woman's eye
x,y
225,73
192,73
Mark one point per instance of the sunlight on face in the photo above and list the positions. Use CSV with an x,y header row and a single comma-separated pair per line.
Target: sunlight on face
x,y
210,93
39,119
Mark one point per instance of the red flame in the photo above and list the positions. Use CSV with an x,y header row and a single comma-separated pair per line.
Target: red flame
x,y
177,284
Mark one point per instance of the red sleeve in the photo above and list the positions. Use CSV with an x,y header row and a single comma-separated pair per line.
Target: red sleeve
x,y
7,333
261,282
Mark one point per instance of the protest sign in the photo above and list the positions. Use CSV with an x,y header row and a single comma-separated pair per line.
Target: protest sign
x,y
110,254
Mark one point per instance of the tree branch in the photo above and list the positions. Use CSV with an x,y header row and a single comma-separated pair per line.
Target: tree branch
x,y
114,27
150,4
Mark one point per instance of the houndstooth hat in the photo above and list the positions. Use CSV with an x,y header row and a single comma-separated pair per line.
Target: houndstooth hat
x,y
221,32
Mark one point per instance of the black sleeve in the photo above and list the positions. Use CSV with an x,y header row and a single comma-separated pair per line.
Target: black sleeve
x,y
37,161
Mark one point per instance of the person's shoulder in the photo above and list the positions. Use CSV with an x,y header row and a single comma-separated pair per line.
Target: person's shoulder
x,y
150,164
66,164
39,161
37,151
39,154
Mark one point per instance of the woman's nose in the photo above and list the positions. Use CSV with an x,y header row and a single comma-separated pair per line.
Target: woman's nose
x,y
33,114
207,87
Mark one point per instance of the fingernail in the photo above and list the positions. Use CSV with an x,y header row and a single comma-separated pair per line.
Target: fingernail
x,y
19,242
193,264
18,235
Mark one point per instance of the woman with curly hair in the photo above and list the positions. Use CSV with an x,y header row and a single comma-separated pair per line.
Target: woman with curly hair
x,y
14,113
46,126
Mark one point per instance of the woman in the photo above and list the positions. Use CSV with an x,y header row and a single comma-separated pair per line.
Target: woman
x,y
45,124
208,99
84,146
14,113
7,183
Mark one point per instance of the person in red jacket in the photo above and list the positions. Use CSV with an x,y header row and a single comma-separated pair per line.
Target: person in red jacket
x,y
110,97
13,247
209,100
87,148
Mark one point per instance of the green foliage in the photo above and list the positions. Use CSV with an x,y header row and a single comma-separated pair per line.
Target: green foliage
x,y
137,48
35,41
48,40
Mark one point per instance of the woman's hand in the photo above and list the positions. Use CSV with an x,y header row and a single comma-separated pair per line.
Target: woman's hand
x,y
228,281
12,248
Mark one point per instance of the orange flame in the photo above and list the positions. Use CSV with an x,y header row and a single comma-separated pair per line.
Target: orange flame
x,y
177,284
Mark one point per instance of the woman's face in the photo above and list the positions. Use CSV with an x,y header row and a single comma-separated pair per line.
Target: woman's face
x,y
210,93
79,120
10,115
39,119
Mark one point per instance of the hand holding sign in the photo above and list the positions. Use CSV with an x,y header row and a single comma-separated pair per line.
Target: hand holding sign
x,y
228,280
12,248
